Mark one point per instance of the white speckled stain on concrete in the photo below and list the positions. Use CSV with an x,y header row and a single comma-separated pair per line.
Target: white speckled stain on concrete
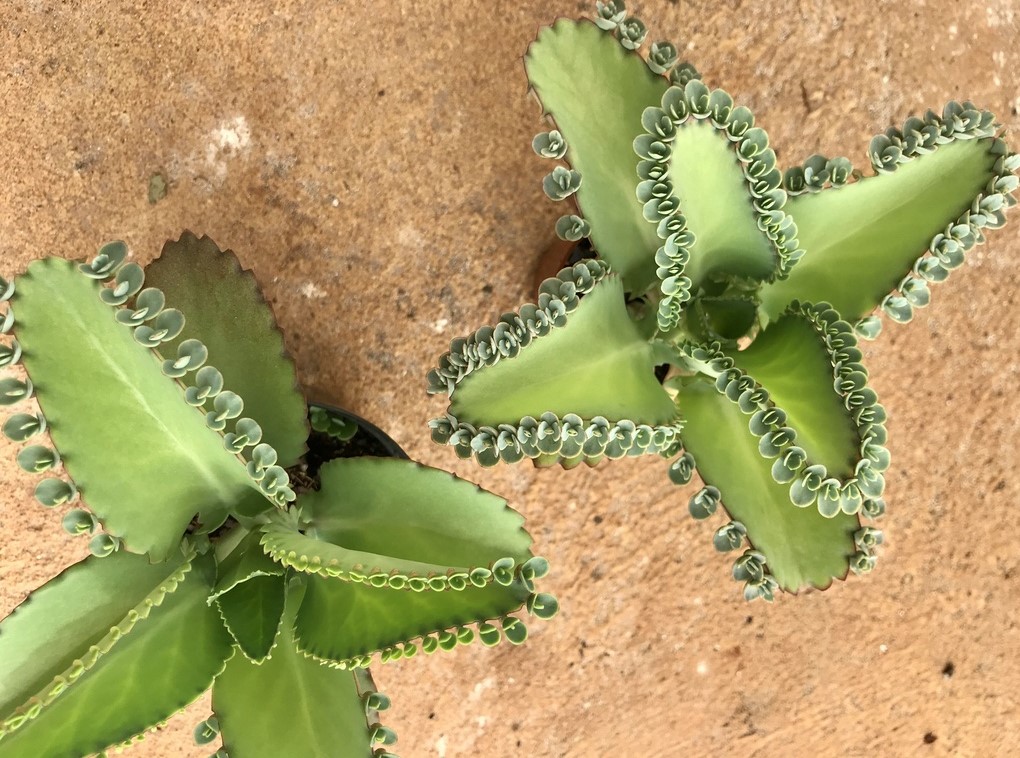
x,y
312,291
229,140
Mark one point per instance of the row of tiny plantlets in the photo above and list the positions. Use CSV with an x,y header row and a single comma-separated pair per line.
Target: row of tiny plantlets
x,y
683,106
862,493
558,297
488,633
750,567
51,491
503,571
809,483
562,182
375,702
100,648
611,16
153,325
817,173
887,151
549,437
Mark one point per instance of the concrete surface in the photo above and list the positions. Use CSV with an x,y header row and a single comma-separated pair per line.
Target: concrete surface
x,y
371,163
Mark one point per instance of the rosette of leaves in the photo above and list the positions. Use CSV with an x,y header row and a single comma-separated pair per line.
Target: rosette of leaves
x,y
172,443
749,285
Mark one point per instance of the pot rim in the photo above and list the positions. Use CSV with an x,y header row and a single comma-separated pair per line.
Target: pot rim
x,y
392,448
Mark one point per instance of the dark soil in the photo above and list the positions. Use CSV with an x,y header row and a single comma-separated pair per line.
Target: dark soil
x,y
323,448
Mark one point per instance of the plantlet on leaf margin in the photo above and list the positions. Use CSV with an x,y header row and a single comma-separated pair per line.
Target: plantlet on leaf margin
x,y
752,284
178,430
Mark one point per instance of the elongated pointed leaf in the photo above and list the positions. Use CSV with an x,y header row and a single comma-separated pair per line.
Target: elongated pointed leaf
x,y
344,621
714,195
250,592
150,645
71,612
384,517
862,239
791,362
398,551
251,612
570,379
791,436
322,707
802,548
227,312
403,509
245,562
296,550
120,407
597,364
578,70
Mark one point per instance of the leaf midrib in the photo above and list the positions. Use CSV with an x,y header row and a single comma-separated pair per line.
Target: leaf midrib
x,y
198,462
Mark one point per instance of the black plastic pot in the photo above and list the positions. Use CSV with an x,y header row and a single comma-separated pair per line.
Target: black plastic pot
x,y
373,440
339,434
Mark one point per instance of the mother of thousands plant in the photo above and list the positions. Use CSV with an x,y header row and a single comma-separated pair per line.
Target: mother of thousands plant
x,y
751,284
216,558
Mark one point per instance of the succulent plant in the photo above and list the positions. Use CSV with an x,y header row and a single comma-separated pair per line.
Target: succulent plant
x,y
749,285
216,559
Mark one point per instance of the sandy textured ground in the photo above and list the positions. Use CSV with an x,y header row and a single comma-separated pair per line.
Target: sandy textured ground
x,y
373,166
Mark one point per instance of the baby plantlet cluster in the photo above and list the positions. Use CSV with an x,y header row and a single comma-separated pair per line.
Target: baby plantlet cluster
x,y
743,286
175,438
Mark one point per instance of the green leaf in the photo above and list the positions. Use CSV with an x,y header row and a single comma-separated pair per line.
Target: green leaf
x,y
121,408
104,651
790,361
250,591
401,508
578,70
322,708
802,547
341,621
713,194
251,612
74,610
798,394
384,516
861,239
306,554
596,364
576,349
227,312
